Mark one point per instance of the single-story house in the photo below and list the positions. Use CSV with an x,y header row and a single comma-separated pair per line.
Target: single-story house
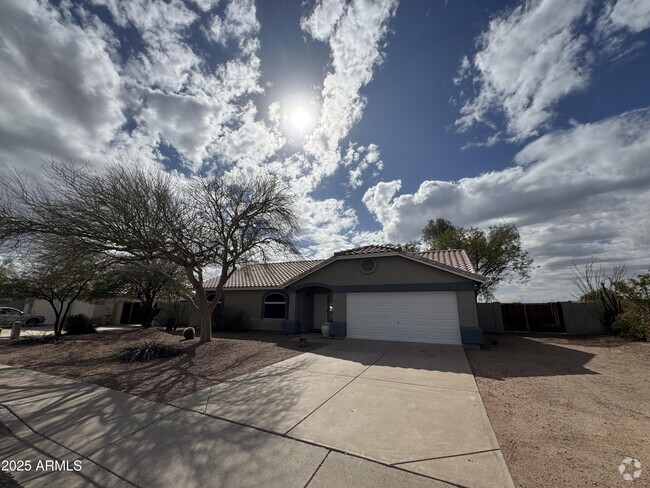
x,y
372,292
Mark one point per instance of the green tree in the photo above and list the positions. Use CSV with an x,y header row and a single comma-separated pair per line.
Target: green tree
x,y
142,213
54,272
496,254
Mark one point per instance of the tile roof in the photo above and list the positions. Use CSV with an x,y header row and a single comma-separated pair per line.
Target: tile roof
x,y
374,249
456,258
265,275
276,275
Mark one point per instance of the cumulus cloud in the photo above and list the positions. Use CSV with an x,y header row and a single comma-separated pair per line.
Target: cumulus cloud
x,y
239,24
60,92
356,35
529,59
198,112
360,159
573,193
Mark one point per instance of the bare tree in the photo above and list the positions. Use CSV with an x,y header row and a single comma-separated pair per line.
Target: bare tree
x,y
136,213
596,284
590,279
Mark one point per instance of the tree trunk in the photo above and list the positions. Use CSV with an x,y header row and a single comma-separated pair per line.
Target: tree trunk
x,y
206,325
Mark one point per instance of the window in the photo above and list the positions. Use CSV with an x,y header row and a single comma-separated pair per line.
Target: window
x,y
275,306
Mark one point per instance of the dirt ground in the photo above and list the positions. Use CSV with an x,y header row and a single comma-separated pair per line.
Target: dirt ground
x,y
93,358
567,411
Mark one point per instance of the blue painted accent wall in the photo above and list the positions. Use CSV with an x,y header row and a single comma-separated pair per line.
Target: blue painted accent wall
x,y
453,286
338,329
471,335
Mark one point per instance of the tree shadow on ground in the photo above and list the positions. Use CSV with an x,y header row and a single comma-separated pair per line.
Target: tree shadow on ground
x,y
516,356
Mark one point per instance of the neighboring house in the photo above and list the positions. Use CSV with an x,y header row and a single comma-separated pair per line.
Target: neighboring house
x,y
373,292
107,311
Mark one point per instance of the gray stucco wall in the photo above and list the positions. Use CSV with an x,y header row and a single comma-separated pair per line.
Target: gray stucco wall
x,y
249,302
467,315
579,318
390,270
490,318
582,318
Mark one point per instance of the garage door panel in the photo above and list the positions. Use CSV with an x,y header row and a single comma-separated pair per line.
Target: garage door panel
x,y
404,316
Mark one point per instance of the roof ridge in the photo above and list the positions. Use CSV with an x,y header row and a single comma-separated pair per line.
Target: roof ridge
x,y
283,262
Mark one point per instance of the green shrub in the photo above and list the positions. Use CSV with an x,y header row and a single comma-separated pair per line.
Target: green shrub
x,y
148,350
189,333
79,324
633,324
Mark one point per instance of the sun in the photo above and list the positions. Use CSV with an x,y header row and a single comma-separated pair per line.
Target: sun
x,y
300,120
299,117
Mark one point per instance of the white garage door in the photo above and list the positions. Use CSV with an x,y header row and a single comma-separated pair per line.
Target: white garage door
x,y
422,316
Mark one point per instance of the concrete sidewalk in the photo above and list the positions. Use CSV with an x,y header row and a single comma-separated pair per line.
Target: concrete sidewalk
x,y
122,440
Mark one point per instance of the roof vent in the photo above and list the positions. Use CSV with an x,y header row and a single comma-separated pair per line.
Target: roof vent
x,y
367,265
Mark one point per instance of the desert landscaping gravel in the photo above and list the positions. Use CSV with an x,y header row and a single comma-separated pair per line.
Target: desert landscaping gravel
x,y
567,411
94,358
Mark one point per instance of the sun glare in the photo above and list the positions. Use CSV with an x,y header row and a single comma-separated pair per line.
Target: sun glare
x,y
300,120
299,117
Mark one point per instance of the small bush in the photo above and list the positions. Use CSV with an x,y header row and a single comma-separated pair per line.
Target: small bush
x,y
189,333
633,324
79,324
148,350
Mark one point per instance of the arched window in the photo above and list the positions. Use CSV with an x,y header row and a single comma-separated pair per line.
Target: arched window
x,y
275,306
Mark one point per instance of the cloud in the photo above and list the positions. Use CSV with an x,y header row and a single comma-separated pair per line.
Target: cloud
x,y
322,22
361,158
633,15
573,193
178,101
532,56
529,58
356,36
239,24
60,92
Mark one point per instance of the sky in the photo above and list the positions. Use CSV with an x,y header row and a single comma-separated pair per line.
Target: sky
x,y
380,114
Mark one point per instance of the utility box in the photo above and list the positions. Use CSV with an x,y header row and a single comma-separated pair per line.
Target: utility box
x,y
15,330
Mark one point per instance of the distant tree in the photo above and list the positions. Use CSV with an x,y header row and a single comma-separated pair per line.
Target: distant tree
x,y
143,214
54,272
589,280
411,246
147,281
496,254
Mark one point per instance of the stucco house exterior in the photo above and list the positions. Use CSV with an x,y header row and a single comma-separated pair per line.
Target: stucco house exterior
x,y
372,292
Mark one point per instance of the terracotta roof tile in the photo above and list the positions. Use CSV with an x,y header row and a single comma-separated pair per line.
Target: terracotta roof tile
x,y
265,275
374,249
275,275
456,258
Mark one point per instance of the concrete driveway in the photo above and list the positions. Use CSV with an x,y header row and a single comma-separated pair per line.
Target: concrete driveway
x,y
412,406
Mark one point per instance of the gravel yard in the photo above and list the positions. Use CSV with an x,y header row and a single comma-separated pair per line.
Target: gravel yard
x,y
567,411
93,358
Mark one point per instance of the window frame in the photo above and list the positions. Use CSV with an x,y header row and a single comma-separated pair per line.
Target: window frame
x,y
265,302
